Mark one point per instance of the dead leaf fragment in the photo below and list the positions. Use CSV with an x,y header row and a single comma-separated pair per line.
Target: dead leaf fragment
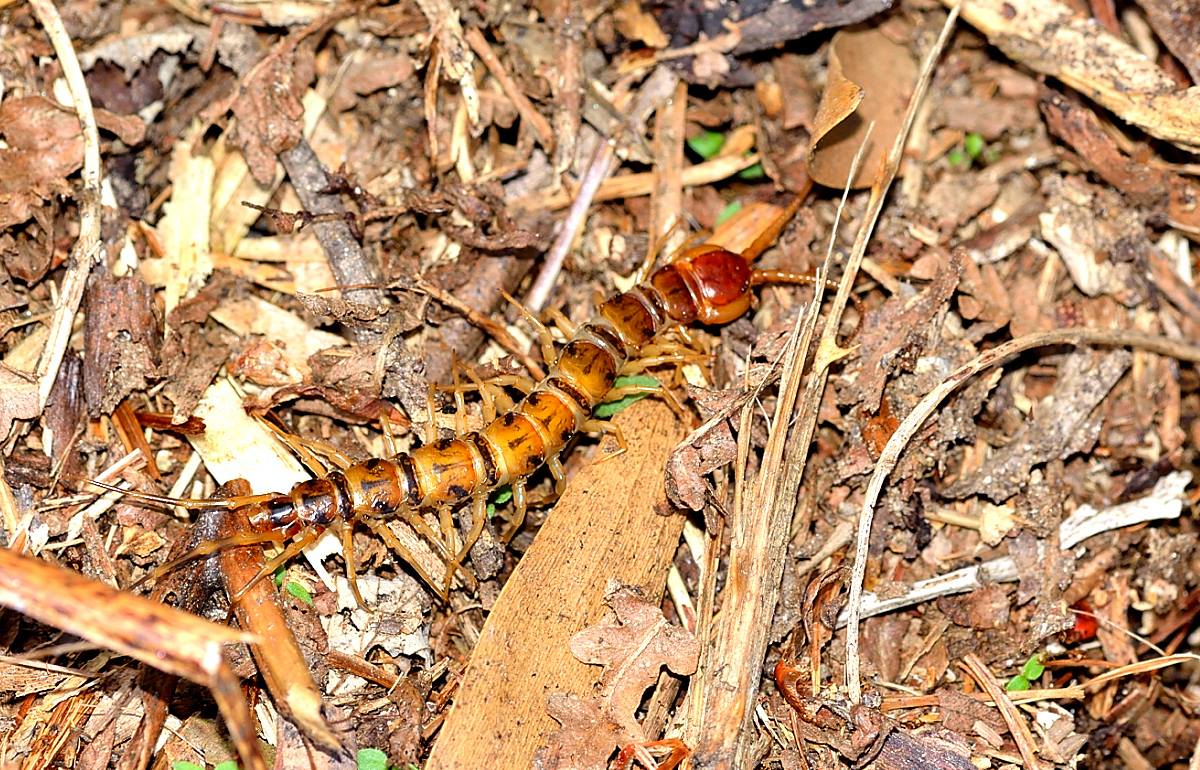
x,y
44,147
633,644
1063,423
1095,233
869,82
270,116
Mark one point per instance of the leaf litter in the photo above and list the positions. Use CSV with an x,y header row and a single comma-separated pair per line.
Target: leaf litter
x,y
426,158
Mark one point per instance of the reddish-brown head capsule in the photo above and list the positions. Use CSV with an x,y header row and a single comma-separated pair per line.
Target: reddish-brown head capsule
x,y
718,280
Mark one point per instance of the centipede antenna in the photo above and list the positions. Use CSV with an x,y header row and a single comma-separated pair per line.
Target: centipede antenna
x,y
191,503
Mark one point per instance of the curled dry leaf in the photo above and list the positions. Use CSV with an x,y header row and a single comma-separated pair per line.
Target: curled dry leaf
x,y
870,81
1063,424
633,644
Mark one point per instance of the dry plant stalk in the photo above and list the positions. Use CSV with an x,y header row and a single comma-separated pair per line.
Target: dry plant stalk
x,y
167,639
719,711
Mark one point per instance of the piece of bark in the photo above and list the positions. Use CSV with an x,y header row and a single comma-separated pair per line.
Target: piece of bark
x,y
121,341
606,526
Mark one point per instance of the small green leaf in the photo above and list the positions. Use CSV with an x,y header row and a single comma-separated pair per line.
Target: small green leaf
x,y
957,158
1033,668
180,764
973,144
228,764
278,576
609,408
706,144
752,172
372,759
502,496
730,209
1017,684
298,591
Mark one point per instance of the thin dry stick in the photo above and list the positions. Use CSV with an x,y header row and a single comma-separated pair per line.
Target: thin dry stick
x,y
925,408
657,88
525,108
86,250
1012,717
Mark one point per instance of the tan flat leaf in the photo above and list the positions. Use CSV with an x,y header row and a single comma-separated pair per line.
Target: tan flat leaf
x,y
870,81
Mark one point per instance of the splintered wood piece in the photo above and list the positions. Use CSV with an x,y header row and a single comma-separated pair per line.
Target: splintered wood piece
x,y
607,526
159,636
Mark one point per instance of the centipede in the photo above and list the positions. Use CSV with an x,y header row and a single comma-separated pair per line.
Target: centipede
x,y
704,284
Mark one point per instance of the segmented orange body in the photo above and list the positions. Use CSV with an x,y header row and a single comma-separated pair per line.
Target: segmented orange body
x,y
707,284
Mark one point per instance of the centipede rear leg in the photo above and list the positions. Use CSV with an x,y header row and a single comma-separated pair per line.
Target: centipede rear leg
x,y
520,509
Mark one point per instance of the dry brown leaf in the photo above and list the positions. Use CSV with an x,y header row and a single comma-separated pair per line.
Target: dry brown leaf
x,y
44,146
870,80
18,397
633,644
270,116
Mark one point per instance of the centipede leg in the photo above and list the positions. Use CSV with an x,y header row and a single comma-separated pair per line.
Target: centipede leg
x,y
564,324
305,539
520,508
347,537
616,394
389,438
391,541
545,338
304,448
209,548
611,428
478,517
554,465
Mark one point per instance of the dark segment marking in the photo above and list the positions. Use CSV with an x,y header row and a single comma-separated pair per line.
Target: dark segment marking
x,y
570,391
490,468
411,490
607,335
342,485
280,512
